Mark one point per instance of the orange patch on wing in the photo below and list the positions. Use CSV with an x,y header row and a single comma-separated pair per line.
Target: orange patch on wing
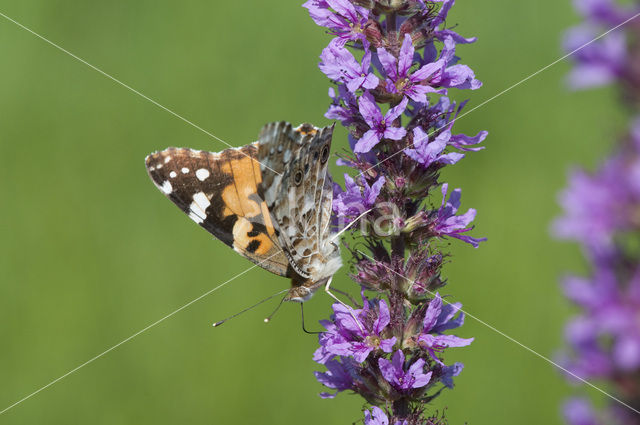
x,y
242,240
236,195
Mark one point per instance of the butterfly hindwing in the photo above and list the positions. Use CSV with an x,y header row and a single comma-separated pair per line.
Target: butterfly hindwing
x,y
300,199
219,191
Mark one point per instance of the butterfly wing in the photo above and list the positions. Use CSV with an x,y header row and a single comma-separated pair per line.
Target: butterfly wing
x,y
219,191
299,195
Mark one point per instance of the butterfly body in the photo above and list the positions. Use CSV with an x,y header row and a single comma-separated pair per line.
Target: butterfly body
x,y
270,200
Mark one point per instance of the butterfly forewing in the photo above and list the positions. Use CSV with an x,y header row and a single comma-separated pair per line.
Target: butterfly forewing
x,y
219,191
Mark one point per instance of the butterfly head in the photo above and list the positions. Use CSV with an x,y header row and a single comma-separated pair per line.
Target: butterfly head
x,y
303,291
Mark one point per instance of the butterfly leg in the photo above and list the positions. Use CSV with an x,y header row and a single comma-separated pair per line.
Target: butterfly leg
x,y
326,289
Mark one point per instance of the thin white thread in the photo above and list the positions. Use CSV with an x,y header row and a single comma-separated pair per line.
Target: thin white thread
x,y
350,225
130,88
131,337
515,85
531,350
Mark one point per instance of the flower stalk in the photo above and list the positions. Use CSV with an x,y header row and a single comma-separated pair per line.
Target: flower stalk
x,y
392,63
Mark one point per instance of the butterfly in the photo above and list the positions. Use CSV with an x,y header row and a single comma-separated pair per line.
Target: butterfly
x,y
270,200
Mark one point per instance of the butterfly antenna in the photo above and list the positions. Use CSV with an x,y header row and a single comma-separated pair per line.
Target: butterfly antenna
x,y
303,328
216,324
350,224
268,319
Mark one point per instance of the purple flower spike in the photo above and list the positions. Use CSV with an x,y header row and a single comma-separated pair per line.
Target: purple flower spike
x,y
391,63
393,371
601,213
397,71
347,23
340,65
450,224
380,126
427,153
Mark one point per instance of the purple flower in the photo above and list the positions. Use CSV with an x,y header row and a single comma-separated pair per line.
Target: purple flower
x,y
344,337
340,65
441,34
449,372
357,198
442,116
393,371
427,153
452,74
381,127
447,223
465,143
397,71
339,376
578,411
347,22
344,107
436,320
443,12
597,63
375,417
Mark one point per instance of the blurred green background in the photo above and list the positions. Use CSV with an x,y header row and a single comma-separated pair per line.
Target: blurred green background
x,y
91,252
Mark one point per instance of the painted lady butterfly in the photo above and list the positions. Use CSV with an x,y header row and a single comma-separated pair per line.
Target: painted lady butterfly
x,y
270,200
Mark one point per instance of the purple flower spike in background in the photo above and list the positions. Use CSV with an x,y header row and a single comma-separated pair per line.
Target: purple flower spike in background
x,y
602,213
606,60
391,63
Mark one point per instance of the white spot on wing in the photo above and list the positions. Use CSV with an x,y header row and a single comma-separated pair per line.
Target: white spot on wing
x,y
184,170
202,174
166,187
173,174
167,159
195,218
199,206
287,155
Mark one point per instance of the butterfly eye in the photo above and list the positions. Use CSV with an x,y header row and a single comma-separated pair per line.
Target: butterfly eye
x,y
325,154
297,177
